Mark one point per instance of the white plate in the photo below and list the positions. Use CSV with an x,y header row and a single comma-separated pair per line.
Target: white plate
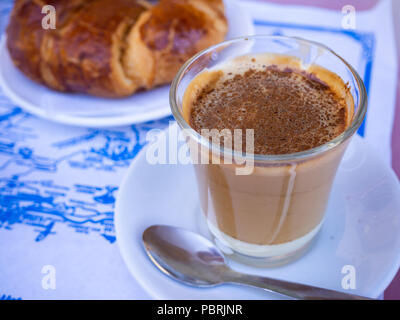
x,y
89,111
362,228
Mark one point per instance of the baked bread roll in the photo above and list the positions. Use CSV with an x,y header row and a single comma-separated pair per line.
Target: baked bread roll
x,y
111,48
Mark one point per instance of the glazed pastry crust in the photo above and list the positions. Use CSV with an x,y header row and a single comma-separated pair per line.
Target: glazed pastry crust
x,y
111,48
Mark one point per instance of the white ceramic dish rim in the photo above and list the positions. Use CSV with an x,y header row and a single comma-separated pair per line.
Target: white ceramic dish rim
x,y
376,293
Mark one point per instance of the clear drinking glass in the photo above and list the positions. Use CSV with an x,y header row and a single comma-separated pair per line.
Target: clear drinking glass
x,y
270,216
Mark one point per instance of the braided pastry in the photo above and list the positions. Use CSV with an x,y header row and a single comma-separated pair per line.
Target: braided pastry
x,y
111,48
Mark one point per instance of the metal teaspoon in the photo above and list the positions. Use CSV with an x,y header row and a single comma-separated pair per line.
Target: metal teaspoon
x,y
192,259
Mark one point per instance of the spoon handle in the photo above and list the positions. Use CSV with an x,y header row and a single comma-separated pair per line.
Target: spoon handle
x,y
291,289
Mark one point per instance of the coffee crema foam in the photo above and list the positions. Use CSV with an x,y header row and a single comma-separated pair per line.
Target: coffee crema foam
x,y
290,108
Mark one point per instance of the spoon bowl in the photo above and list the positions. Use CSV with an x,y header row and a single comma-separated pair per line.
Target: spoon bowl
x,y
184,255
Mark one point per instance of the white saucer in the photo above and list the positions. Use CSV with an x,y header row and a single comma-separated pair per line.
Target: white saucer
x,y
362,228
89,111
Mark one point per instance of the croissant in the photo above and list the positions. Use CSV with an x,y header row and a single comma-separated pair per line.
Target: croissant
x,y
111,48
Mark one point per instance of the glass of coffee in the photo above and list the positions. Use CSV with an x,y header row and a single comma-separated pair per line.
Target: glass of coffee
x,y
267,120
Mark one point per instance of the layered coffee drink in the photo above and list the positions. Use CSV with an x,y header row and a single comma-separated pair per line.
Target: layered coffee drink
x,y
280,207
301,115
